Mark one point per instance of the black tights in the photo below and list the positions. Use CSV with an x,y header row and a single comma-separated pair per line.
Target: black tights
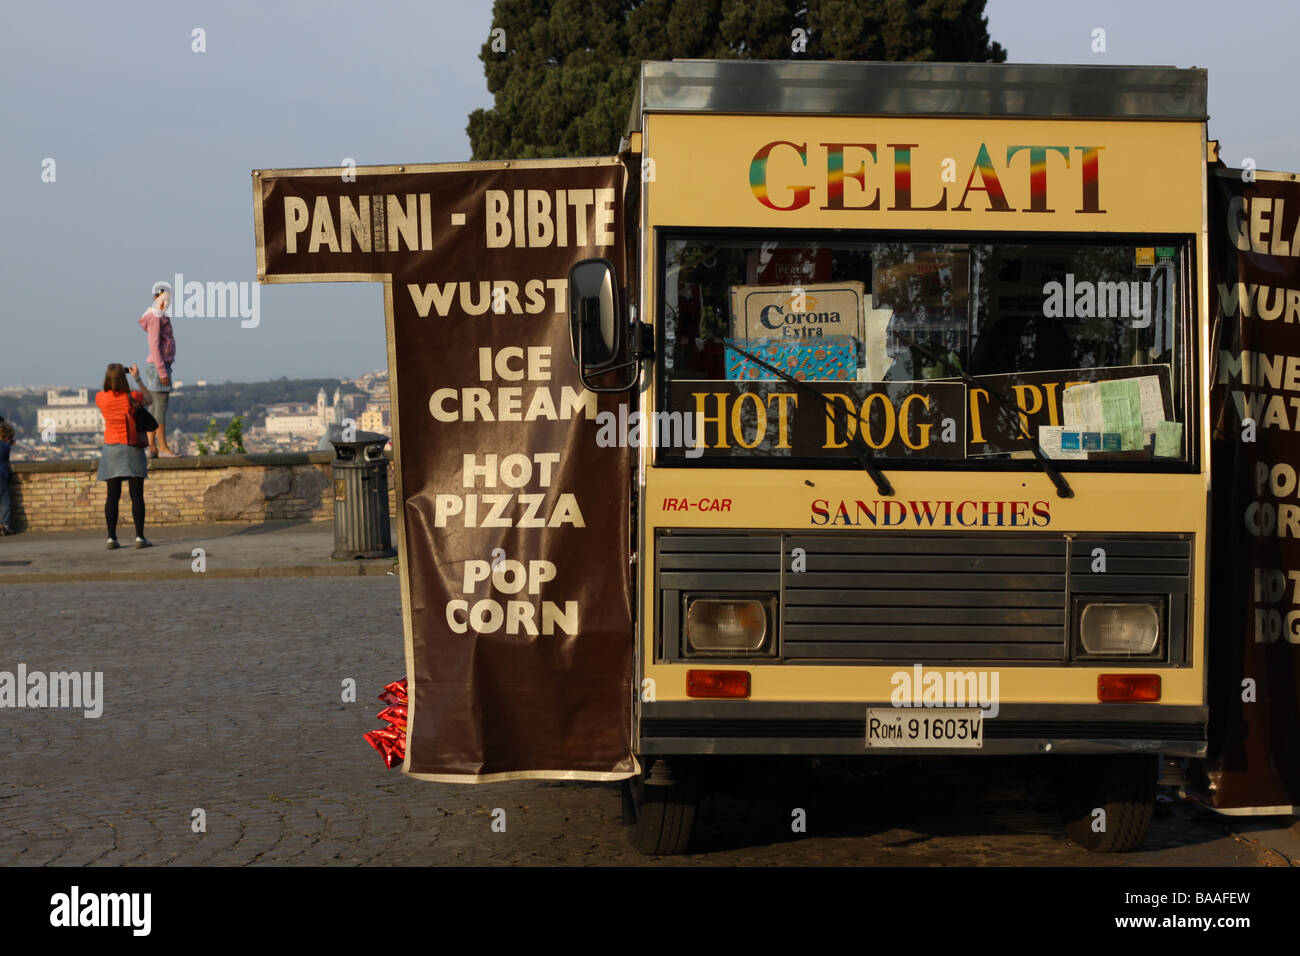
x,y
136,488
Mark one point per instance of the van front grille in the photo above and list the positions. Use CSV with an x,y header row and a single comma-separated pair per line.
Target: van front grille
x,y
916,597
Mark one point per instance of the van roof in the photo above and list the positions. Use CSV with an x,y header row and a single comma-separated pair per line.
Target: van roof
x,y
868,88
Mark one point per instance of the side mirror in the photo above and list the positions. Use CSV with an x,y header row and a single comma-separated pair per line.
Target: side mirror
x,y
595,332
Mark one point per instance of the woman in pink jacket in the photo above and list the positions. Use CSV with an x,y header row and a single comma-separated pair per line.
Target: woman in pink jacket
x,y
158,369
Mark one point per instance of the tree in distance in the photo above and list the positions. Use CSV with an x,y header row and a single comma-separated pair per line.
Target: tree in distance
x,y
563,72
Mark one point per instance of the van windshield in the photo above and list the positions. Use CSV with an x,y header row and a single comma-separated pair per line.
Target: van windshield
x,y
1087,338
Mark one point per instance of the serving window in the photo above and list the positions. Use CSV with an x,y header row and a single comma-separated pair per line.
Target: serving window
x,y
948,350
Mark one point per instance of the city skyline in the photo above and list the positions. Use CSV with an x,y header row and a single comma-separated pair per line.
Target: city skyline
x,y
22,387
69,425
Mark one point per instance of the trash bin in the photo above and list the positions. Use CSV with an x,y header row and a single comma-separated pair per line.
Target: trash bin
x,y
361,528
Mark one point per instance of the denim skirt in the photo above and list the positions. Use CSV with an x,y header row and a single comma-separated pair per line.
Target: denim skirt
x,y
152,381
122,461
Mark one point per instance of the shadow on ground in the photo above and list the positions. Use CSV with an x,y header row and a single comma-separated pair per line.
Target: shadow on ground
x,y
909,803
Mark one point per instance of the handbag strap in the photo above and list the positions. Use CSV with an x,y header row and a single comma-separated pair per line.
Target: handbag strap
x,y
132,430
130,414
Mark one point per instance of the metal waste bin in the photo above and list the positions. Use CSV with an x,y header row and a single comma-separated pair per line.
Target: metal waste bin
x,y
361,528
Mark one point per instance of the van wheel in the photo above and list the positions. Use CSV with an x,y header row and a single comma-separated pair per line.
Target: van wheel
x,y
659,807
1106,803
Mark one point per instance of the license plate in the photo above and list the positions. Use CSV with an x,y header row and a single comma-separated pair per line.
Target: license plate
x,y
925,727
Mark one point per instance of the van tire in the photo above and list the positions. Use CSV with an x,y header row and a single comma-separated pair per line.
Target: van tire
x,y
661,815
1123,786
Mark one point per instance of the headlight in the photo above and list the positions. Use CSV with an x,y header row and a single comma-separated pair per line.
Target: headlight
x,y
734,626
1120,628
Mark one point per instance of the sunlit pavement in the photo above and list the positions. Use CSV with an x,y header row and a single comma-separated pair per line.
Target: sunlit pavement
x,y
224,696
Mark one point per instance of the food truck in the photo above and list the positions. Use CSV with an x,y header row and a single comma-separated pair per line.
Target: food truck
x,y
853,410
941,334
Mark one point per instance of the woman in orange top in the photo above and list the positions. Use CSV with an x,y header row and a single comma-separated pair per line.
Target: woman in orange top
x,y
123,454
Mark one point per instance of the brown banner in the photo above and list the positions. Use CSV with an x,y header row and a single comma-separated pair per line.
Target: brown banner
x,y
1254,666
515,524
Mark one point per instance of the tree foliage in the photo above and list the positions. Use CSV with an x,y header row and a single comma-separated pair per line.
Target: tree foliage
x,y
563,72
218,442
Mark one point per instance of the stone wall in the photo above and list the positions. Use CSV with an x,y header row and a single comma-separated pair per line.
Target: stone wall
x,y
246,489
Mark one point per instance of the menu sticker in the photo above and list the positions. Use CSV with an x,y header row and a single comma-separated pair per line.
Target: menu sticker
x,y
1058,442
1128,408
1169,440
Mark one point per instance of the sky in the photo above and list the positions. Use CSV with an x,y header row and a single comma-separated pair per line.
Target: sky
x,y
153,145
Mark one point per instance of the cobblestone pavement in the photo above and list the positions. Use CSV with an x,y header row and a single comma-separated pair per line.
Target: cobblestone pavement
x,y
225,696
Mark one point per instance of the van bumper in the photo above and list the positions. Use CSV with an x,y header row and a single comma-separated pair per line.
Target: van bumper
x,y
826,729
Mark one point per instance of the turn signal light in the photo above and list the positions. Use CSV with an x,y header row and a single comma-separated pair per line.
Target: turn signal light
x,y
1128,687
717,684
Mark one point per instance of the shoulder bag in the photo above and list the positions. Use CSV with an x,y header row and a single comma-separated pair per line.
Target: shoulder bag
x,y
143,421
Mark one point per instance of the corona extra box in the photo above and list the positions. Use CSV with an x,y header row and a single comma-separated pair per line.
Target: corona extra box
x,y
811,311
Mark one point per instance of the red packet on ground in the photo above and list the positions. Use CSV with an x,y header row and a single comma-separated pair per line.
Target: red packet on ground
x,y
390,741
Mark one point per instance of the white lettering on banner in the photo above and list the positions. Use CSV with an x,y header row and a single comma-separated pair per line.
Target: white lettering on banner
x,y
516,508
538,363
1262,225
538,218
507,404
1275,604
1255,370
515,617
506,511
478,298
1265,301
405,222
522,510
514,470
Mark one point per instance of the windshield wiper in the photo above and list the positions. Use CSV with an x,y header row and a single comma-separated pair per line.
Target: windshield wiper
x,y
833,411
1063,489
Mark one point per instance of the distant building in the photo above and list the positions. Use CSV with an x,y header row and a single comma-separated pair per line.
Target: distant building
x,y
293,420
371,382
70,414
353,404
302,419
80,397
375,385
377,418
